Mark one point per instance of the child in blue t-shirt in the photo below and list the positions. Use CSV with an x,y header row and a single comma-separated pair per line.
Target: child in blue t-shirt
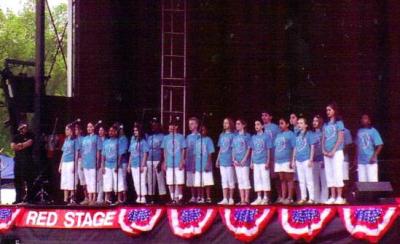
x,y
303,155
174,145
100,141
81,175
190,157
68,166
203,178
155,176
137,162
224,162
369,146
332,148
241,160
284,144
89,160
260,153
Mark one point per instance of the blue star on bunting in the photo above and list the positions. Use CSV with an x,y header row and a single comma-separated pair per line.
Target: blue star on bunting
x,y
139,215
191,215
370,215
5,214
305,215
245,215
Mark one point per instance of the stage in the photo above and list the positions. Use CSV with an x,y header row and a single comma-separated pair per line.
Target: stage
x,y
199,224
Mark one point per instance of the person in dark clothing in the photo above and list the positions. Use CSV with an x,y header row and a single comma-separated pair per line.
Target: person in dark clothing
x,y
22,144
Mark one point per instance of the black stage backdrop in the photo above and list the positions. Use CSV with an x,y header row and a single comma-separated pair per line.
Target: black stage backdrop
x,y
244,57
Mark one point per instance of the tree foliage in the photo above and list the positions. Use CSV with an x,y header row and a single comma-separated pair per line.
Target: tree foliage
x,y
17,41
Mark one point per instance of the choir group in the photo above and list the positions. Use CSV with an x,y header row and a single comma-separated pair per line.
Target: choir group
x,y
296,154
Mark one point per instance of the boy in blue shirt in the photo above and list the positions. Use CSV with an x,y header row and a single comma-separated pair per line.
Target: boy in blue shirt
x,y
155,176
190,157
260,152
369,146
203,178
224,162
174,162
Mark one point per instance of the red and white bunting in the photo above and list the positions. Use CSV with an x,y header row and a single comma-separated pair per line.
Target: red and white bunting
x,y
134,220
305,222
187,222
368,222
246,223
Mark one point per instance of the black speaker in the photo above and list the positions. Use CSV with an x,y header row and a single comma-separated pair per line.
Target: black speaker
x,y
372,192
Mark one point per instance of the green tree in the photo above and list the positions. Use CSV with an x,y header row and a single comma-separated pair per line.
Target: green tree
x,y
17,41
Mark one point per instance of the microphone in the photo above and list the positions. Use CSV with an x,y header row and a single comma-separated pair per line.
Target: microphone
x,y
178,118
98,123
75,122
154,119
205,114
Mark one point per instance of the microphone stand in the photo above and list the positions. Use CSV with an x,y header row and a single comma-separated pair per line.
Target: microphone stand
x,y
118,160
138,140
152,170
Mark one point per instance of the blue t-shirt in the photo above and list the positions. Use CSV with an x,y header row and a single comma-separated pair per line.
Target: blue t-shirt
x,y
100,141
271,130
318,155
123,149
201,155
154,141
347,141
110,152
225,148
173,145
303,146
68,149
138,151
260,145
190,153
89,151
284,144
367,140
240,145
331,133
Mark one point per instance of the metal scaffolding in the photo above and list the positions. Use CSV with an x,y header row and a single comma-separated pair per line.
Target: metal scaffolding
x,y
173,61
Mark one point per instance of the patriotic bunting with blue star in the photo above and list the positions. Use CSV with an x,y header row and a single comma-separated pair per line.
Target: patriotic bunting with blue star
x,y
134,220
368,222
8,215
246,223
187,222
305,222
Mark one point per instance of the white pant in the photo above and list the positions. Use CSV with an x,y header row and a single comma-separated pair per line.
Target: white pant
x,y
306,180
100,196
110,180
140,187
203,179
81,175
67,176
346,170
154,177
368,172
321,192
243,177
262,180
90,177
227,177
334,169
175,176
189,179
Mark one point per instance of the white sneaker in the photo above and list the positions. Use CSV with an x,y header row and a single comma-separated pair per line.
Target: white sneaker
x,y
330,201
138,200
257,201
224,202
200,200
192,200
143,200
340,200
265,201
231,201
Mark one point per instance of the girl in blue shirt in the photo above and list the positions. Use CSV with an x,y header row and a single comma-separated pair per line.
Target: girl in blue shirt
x,y
224,161
303,155
241,160
89,159
369,146
68,165
332,148
321,193
100,141
284,144
137,162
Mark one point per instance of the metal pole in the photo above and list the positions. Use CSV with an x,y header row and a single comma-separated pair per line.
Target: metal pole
x,y
39,80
